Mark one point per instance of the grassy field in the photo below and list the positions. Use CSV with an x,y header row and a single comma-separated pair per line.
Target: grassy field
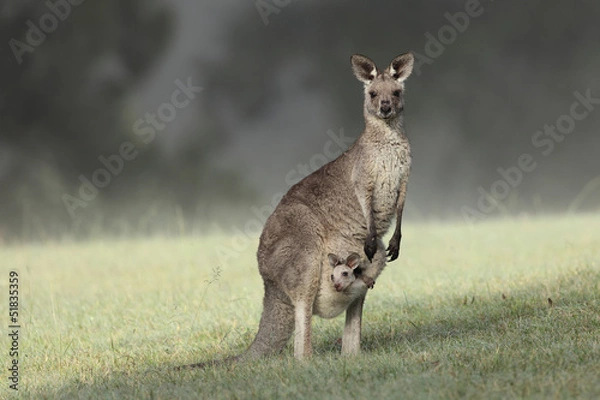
x,y
464,313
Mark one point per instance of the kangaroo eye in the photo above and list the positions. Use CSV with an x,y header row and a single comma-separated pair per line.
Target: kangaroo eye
x,y
344,273
396,93
372,94
331,277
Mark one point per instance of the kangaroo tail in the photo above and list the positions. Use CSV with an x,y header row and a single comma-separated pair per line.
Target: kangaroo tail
x,y
275,328
212,363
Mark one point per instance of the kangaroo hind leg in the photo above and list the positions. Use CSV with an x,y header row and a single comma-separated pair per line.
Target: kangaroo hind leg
x,y
303,332
275,328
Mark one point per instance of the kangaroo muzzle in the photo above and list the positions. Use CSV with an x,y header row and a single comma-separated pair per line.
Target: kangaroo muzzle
x,y
385,108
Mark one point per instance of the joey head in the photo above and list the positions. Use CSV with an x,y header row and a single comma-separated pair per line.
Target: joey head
x,y
345,272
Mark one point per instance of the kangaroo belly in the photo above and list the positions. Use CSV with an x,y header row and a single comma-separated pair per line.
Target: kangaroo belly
x,y
329,303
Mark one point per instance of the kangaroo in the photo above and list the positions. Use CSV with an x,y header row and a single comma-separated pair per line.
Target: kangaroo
x,y
348,204
345,272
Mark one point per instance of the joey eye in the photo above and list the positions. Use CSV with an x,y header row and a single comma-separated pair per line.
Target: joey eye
x,y
344,274
396,93
331,277
372,94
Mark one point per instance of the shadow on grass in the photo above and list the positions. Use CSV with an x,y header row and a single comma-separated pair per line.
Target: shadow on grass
x,y
416,327
572,298
464,317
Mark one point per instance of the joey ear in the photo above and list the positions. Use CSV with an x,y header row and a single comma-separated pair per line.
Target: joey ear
x,y
364,69
401,67
353,260
333,260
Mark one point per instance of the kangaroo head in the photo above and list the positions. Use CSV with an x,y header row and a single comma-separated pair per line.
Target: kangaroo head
x,y
384,97
342,275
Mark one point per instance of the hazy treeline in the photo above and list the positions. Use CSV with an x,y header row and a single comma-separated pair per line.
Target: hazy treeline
x,y
502,110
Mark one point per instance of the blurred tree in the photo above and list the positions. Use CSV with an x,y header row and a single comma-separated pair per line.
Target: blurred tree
x,y
475,106
64,77
485,94
66,74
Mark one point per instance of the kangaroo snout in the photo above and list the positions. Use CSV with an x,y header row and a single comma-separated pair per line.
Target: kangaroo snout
x,y
385,108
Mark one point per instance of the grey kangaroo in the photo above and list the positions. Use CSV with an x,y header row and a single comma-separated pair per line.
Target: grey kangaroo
x,y
347,204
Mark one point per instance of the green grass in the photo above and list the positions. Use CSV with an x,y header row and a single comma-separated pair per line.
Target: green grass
x,y
464,313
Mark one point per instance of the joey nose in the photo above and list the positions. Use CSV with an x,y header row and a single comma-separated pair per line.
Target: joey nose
x,y
385,109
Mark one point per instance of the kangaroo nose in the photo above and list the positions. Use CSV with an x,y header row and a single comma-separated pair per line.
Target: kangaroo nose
x,y
385,108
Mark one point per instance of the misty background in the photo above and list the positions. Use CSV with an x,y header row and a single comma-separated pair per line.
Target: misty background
x,y
271,85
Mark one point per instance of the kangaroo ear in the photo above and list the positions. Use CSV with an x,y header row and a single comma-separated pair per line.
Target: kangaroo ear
x,y
401,67
364,69
333,260
353,260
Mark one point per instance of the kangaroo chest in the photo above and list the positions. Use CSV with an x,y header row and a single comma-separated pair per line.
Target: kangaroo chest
x,y
393,163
